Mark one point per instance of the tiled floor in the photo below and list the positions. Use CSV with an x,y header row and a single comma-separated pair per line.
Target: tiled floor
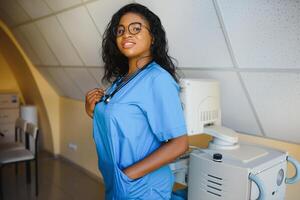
x,y
59,180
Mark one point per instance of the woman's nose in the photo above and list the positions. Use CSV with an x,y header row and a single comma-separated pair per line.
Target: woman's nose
x,y
127,34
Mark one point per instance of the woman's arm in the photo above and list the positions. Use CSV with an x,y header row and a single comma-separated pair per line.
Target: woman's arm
x,y
162,156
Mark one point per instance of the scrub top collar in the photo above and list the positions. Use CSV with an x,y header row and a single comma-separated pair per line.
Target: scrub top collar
x,y
118,84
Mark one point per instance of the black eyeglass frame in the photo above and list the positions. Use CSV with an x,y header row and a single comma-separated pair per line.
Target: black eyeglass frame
x,y
115,30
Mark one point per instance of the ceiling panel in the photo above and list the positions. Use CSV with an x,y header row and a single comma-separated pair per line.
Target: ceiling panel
x,y
276,97
263,34
26,46
83,79
46,74
6,18
83,33
35,8
103,10
65,83
57,5
97,73
193,31
14,11
39,44
58,41
236,111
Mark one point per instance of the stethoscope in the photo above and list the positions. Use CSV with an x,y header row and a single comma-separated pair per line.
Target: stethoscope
x,y
107,97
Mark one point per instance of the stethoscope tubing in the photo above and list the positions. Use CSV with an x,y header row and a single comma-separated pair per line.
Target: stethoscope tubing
x,y
107,97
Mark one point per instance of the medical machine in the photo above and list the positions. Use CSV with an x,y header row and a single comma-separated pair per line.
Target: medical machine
x,y
227,169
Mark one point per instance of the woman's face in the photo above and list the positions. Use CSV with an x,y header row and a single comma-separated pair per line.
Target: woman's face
x,y
133,36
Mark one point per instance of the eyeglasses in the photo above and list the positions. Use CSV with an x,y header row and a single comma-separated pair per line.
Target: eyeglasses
x,y
133,28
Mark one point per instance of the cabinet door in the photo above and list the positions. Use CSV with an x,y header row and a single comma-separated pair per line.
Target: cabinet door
x,y
8,130
8,115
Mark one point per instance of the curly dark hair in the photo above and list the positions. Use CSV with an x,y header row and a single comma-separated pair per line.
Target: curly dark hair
x,y
115,63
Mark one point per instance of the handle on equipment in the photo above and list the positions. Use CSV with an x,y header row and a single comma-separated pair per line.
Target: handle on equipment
x,y
296,177
260,186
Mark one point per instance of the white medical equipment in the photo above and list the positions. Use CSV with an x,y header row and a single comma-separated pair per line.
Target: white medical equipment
x,y
227,169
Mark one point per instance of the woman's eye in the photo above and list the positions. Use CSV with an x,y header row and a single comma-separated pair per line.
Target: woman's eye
x,y
120,31
136,29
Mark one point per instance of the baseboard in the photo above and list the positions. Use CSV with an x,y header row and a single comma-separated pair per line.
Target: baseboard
x,y
50,153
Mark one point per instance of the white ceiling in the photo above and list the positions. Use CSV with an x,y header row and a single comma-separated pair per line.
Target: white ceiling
x,y
38,43
14,12
251,47
83,33
193,31
276,97
35,8
57,5
58,41
263,34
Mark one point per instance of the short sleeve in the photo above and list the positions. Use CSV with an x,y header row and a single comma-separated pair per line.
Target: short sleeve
x,y
164,110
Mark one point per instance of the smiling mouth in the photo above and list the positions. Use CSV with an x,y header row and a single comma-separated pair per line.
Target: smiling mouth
x,y
127,45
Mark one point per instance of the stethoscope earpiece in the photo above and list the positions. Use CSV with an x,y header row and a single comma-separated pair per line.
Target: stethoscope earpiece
x,y
107,100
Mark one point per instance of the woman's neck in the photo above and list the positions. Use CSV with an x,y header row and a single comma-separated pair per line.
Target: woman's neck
x,y
136,63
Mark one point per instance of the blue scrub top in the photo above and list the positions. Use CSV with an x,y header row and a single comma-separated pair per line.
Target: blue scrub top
x,y
140,117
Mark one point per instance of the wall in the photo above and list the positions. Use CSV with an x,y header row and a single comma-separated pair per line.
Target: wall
x,y
76,128
52,105
34,88
8,82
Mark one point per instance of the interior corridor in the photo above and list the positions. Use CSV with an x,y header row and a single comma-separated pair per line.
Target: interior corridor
x,y
58,180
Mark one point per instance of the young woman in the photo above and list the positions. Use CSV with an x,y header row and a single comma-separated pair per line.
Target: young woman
x,y
138,123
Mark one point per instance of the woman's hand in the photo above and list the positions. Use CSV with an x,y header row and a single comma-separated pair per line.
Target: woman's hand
x,y
91,98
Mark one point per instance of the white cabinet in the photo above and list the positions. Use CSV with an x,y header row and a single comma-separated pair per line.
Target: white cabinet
x,y
9,112
8,115
8,130
9,101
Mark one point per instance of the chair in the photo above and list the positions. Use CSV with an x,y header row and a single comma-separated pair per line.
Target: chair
x,y
30,153
19,143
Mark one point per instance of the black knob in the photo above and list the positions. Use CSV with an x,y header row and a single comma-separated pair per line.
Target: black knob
x,y
217,157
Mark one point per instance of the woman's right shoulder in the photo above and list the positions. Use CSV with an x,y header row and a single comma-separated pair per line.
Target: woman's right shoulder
x,y
159,77
158,71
